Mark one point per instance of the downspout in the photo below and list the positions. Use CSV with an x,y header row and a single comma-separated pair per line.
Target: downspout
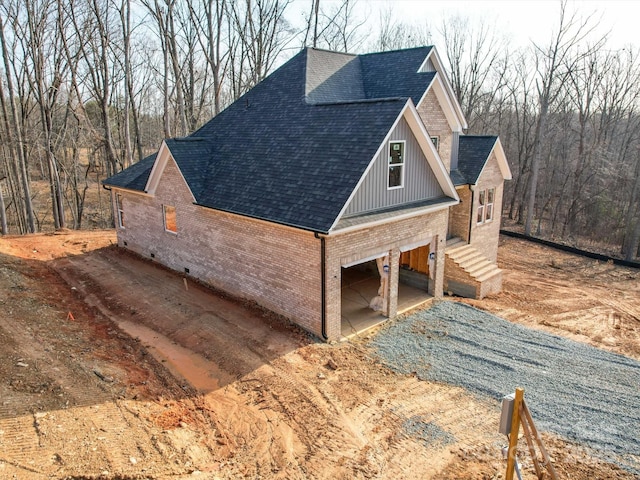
x,y
473,198
323,288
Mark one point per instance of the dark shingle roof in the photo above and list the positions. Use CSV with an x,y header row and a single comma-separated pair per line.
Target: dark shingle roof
x,y
473,153
293,148
135,177
394,74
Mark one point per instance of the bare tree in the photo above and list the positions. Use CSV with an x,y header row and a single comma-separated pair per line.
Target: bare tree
x,y
15,135
395,34
553,64
261,33
476,66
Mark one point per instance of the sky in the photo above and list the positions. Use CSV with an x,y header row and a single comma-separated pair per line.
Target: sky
x,y
522,21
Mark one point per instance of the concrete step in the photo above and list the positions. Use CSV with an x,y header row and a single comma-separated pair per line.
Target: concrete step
x,y
478,266
458,249
454,241
482,270
490,274
466,256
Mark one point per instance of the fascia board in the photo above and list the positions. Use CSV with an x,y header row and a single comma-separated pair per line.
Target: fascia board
x,y
429,150
437,63
502,160
402,216
445,103
157,169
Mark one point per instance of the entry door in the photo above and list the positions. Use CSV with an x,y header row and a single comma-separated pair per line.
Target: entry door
x,y
416,259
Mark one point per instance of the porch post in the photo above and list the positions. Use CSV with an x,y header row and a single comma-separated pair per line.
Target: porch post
x,y
394,273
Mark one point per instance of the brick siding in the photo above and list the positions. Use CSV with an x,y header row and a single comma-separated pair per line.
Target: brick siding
x,y
437,124
485,236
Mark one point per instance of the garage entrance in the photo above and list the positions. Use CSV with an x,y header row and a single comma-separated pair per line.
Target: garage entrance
x,y
360,284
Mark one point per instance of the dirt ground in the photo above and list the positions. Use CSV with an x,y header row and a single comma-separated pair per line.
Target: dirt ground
x,y
113,367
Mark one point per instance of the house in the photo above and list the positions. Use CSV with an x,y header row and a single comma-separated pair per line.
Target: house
x,y
334,165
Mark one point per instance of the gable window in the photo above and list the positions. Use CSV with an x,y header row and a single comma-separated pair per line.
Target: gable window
x,y
485,205
119,210
436,143
169,214
396,164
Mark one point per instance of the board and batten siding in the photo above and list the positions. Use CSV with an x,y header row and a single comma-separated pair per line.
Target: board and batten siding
x,y
420,182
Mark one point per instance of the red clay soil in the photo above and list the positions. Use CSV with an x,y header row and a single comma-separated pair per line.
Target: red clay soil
x,y
114,367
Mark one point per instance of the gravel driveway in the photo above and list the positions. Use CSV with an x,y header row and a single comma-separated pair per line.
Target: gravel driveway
x,y
582,393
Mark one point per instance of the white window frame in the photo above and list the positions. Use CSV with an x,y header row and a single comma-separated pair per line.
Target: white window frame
x,y
485,212
436,142
491,195
402,164
164,218
482,201
120,209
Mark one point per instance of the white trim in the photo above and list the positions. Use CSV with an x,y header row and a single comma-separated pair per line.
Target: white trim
x,y
455,104
363,260
114,188
448,107
162,158
425,61
402,164
414,245
375,223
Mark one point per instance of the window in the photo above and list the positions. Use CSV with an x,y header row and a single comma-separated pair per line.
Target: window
x,y
396,165
436,142
485,205
488,216
119,210
481,202
169,218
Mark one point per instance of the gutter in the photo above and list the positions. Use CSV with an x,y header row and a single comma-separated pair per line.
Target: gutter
x,y
473,199
323,288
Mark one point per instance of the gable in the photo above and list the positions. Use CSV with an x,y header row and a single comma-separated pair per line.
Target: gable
x,y
425,176
158,180
420,183
443,90
474,153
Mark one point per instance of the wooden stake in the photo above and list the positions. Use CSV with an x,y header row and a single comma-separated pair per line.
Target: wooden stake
x,y
513,436
547,460
527,435
186,286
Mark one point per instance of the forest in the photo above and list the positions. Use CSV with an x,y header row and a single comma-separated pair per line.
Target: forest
x,y
89,87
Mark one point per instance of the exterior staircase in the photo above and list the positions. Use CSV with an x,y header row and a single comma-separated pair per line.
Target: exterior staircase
x,y
468,273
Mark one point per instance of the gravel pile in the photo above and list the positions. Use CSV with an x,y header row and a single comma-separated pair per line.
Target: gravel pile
x,y
582,393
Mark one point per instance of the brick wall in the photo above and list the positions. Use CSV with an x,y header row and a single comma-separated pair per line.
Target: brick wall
x,y
436,122
459,216
485,237
276,266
